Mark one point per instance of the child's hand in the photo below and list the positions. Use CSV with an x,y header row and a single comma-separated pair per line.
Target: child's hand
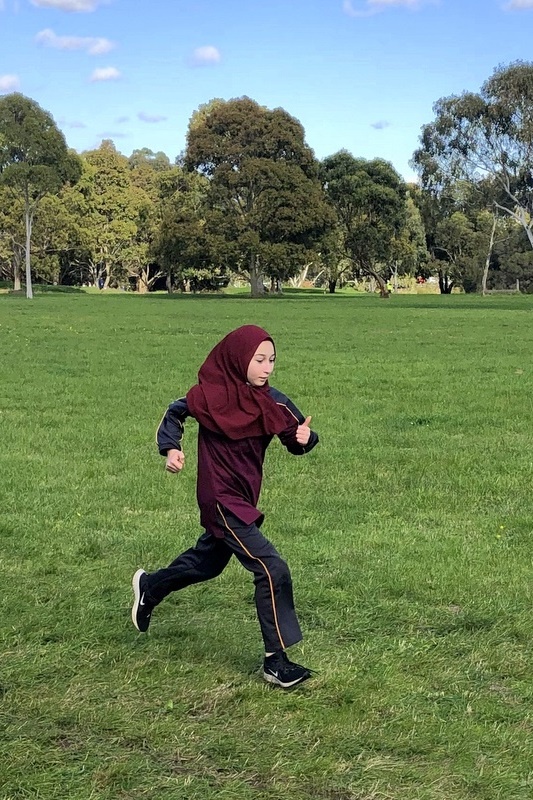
x,y
175,461
303,432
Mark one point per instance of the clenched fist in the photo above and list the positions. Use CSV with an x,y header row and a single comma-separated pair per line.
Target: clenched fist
x,y
175,461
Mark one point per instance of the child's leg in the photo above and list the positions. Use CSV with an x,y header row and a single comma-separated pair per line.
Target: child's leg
x,y
207,559
273,585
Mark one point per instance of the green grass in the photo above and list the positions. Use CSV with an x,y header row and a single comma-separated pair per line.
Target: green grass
x,y
408,531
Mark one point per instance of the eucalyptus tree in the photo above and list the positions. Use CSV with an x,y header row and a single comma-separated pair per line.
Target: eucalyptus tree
x,y
182,246
12,237
485,137
158,162
112,211
462,245
409,249
55,233
146,168
265,206
34,160
369,202
512,264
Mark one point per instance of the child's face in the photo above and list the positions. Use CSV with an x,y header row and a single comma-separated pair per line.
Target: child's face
x,y
262,364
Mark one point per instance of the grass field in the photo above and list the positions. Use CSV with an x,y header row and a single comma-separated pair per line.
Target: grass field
x,y
408,531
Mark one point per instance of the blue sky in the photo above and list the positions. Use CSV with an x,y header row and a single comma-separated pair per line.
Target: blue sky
x,y
358,74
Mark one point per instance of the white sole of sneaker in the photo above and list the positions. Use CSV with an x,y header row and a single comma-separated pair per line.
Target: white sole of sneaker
x,y
136,585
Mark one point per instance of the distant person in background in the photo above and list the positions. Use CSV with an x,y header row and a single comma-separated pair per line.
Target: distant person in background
x,y
238,415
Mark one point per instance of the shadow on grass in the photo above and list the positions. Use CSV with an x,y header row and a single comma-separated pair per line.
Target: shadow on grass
x,y
48,290
435,302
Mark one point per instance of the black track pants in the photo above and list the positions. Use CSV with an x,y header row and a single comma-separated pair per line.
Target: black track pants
x,y
208,558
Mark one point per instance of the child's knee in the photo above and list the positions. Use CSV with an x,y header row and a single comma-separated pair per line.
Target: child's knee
x,y
280,572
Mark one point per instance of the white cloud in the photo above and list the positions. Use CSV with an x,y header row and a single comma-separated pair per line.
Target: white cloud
x,y
63,123
516,4
150,117
69,5
9,83
371,7
205,56
121,120
380,125
105,74
95,46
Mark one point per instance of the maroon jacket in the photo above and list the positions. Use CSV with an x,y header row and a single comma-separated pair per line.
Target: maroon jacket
x,y
230,472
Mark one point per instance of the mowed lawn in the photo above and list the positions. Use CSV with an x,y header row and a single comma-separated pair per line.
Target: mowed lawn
x,y
408,530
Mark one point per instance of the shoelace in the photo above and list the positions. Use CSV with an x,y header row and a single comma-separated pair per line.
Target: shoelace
x,y
282,661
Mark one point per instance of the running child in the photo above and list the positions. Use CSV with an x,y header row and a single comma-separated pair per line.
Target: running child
x,y
238,413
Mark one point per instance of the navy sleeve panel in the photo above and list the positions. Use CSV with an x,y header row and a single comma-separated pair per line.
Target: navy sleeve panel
x,y
170,431
295,417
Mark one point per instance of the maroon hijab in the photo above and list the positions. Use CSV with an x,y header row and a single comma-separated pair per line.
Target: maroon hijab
x,y
223,401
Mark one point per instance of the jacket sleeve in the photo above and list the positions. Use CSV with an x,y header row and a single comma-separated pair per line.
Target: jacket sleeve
x,y
294,418
170,431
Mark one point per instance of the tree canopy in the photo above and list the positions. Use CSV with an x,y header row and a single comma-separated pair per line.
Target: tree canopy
x,y
369,202
264,198
485,139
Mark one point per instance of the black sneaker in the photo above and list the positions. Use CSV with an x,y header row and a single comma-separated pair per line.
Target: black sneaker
x,y
279,670
141,610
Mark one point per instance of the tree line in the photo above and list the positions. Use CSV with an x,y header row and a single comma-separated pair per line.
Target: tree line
x,y
248,200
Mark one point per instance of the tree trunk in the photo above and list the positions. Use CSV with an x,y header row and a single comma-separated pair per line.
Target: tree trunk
x,y
256,278
445,284
170,285
142,285
395,277
383,291
16,272
489,254
29,221
521,217
298,280
332,285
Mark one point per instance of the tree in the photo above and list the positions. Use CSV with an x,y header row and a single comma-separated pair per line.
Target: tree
x,y
265,205
159,162
55,232
34,159
332,258
409,250
182,245
12,236
111,211
485,136
369,201
513,260
462,225
460,251
199,117
146,168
